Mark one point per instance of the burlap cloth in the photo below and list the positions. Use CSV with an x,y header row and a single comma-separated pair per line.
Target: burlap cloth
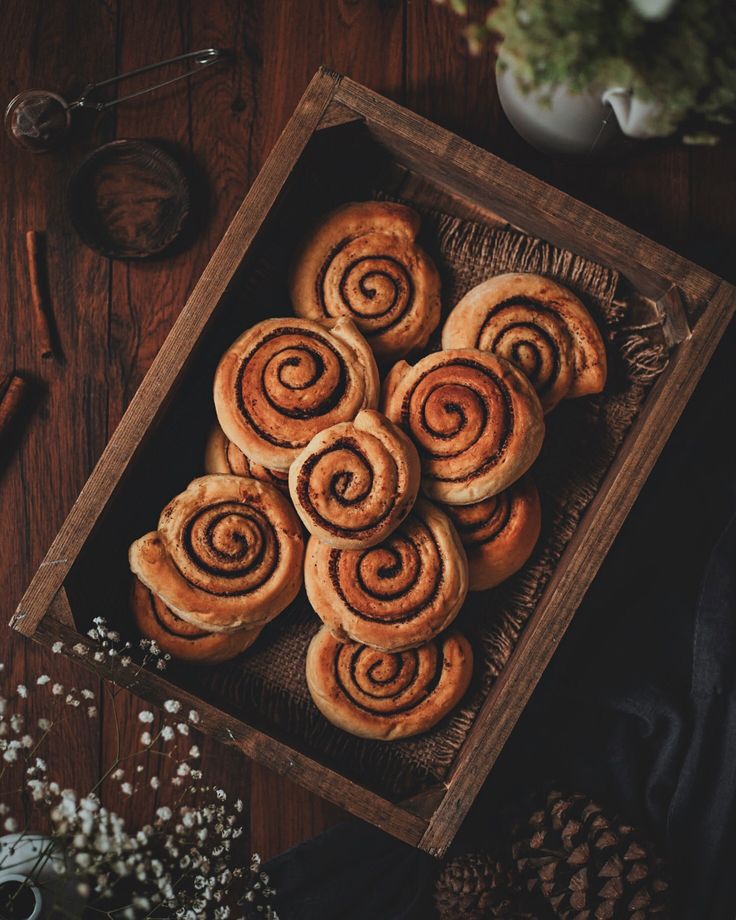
x,y
267,685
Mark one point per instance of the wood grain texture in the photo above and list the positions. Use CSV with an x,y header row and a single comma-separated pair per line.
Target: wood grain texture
x,y
55,450
113,319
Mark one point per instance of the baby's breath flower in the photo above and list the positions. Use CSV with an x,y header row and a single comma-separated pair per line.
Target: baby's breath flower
x,y
145,716
117,774
154,782
57,689
194,751
126,789
10,825
57,647
91,711
99,656
43,679
161,665
146,738
88,694
182,728
167,733
44,724
22,691
164,813
172,706
80,648
194,716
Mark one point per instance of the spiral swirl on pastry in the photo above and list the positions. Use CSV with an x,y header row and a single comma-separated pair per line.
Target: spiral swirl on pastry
x,y
475,419
180,639
538,325
227,553
397,594
355,482
363,261
387,695
285,380
222,456
498,533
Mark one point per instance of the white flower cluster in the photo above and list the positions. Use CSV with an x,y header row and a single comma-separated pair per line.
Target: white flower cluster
x,y
180,866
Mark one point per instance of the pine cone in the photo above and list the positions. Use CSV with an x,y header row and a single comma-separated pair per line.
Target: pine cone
x,y
588,866
476,886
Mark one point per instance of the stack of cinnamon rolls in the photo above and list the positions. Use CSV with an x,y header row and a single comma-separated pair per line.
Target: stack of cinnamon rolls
x,y
411,482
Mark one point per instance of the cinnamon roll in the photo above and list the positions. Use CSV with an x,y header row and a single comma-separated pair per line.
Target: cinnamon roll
x,y
498,533
182,640
355,482
395,595
363,261
284,380
475,419
228,553
387,695
538,325
222,456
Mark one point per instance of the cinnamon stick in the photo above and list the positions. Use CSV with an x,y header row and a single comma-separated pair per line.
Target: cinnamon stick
x,y
41,306
12,388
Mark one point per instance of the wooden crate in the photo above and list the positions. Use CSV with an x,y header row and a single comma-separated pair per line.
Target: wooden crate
x,y
65,593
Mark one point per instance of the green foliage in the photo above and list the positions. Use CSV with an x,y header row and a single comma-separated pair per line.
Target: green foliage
x,y
685,60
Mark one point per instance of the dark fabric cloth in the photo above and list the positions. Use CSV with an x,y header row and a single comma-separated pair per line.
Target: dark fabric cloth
x,y
637,709
352,872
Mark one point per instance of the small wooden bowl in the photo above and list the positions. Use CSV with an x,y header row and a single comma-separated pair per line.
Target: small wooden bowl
x,y
129,200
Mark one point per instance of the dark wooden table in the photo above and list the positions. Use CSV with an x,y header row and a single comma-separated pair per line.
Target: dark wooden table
x,y
112,317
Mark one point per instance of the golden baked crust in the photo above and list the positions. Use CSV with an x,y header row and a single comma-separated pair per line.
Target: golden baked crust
x,y
182,640
498,533
387,695
538,325
355,482
475,419
396,595
222,456
284,380
228,553
363,261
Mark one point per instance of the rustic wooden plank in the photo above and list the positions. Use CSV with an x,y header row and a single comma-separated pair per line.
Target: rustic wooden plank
x,y
336,114
577,569
61,610
525,201
444,82
172,358
57,47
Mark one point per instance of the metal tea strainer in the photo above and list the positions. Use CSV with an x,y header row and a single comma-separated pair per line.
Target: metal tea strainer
x,y
38,120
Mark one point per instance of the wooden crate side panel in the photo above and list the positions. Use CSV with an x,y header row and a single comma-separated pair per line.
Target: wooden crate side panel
x,y
171,360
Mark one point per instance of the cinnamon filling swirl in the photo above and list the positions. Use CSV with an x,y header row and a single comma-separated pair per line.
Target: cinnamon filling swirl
x,y
301,377
387,684
391,583
375,289
461,417
227,549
